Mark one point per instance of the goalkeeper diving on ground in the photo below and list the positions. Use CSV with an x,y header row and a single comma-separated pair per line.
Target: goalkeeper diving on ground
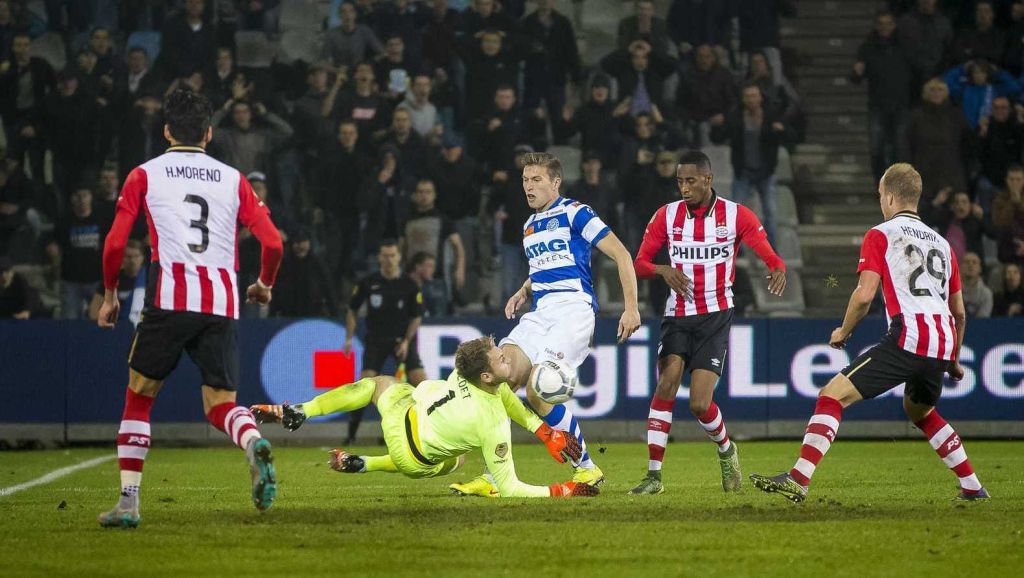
x,y
429,429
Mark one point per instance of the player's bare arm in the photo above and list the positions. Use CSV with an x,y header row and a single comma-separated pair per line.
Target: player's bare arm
x,y
956,307
611,246
860,303
518,299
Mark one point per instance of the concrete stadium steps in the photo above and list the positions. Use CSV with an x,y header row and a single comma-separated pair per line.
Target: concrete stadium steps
x,y
833,183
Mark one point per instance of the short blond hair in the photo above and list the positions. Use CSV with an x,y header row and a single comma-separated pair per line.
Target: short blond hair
x,y
545,160
904,182
472,360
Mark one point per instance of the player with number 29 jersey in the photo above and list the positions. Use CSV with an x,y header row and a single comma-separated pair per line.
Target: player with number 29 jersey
x,y
919,272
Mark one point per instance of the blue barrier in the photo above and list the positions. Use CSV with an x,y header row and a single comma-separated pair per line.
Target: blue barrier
x,y
72,372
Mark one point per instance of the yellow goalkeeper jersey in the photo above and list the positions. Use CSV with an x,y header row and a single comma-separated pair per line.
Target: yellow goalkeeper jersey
x,y
453,417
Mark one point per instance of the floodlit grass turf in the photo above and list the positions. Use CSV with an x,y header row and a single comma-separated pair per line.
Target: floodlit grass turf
x,y
876,508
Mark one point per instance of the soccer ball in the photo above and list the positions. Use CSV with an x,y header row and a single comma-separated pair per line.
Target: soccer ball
x,y
552,382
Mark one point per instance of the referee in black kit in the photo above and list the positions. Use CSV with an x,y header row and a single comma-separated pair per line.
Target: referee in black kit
x,y
393,315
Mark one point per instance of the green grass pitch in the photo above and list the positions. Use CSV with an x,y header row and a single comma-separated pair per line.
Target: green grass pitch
x,y
875,509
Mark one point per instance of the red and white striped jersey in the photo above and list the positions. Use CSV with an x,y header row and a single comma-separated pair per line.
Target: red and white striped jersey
x,y
919,274
193,205
702,243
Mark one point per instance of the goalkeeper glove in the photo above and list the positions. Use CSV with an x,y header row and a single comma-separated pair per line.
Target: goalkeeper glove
x,y
572,489
562,447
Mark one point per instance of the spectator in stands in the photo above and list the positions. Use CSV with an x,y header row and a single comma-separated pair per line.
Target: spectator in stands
x,y
1009,302
1000,144
387,192
593,188
16,297
303,287
493,137
72,129
1014,56
141,134
977,295
412,148
314,107
364,104
78,244
244,144
938,136
552,60
644,25
759,29
928,35
457,178
422,112
705,95
422,270
15,197
352,42
780,98
189,42
754,136
1008,217
484,15
226,81
439,44
641,143
25,82
8,28
641,74
510,212
102,47
429,230
595,121
341,192
652,181
959,221
262,15
395,67
138,80
131,285
693,23
885,62
975,84
983,42
489,64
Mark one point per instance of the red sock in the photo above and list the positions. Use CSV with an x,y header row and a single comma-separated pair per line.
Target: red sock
x,y
236,421
820,433
714,425
133,440
659,423
945,441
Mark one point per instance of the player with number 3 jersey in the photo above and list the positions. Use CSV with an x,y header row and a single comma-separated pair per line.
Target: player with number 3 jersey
x,y
920,283
193,206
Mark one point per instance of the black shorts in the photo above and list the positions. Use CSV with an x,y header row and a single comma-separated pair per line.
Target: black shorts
x,y
210,340
701,340
887,365
376,354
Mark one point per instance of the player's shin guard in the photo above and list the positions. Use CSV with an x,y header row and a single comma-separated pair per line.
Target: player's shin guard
x,y
713,423
561,418
945,441
133,445
818,437
344,398
236,421
659,424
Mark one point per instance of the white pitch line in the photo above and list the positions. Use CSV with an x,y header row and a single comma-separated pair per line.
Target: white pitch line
x,y
56,474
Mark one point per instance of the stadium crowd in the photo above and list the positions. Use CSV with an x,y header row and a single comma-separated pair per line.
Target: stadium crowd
x,y
404,120
945,93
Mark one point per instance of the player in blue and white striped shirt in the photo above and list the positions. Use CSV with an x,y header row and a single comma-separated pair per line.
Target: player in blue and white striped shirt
x,y
558,239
